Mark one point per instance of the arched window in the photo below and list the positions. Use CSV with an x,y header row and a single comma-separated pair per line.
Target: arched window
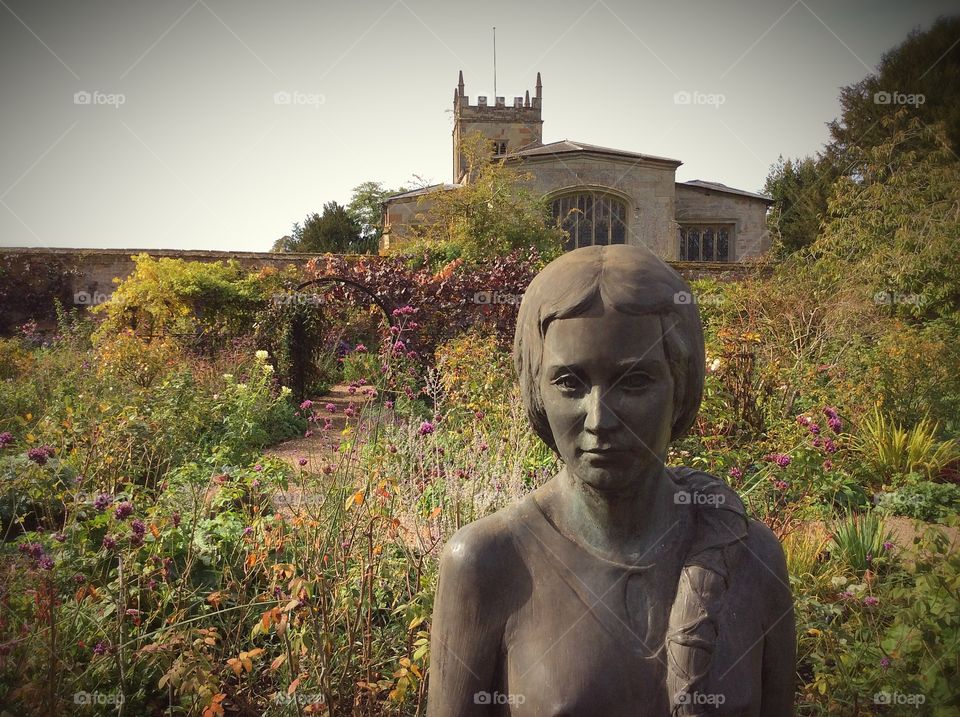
x,y
591,218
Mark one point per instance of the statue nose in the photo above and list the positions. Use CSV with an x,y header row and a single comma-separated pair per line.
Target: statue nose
x,y
599,416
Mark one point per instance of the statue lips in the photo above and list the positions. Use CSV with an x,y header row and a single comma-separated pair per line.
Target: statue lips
x,y
604,454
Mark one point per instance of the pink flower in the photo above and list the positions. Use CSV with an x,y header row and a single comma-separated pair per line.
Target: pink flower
x,y
836,425
332,408
302,461
306,405
870,600
360,349
736,473
827,464
425,428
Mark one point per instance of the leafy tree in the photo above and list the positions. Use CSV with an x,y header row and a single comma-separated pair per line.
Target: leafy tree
x,y
926,65
894,228
365,207
336,232
799,189
492,214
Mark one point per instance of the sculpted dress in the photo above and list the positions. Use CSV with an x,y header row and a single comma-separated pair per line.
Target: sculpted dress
x,y
529,622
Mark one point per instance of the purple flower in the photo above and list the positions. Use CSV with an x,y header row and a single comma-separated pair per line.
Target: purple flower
x,y
45,563
781,459
123,510
248,530
102,501
109,542
307,434
332,408
830,412
781,485
870,600
40,455
887,545
5,438
79,578
138,527
736,473
885,662
425,428
836,425
803,420
814,429
829,446
388,405
351,390
100,648
258,468
360,349
175,519
59,537
302,461
827,464
306,405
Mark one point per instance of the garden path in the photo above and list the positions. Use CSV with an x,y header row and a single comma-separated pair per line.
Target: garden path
x,y
319,448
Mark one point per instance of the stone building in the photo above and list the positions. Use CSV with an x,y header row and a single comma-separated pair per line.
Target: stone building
x,y
602,195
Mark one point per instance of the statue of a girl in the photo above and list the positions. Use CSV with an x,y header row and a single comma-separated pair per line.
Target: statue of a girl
x,y
621,587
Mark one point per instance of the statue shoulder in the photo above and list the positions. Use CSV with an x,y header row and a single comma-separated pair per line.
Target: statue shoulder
x,y
480,551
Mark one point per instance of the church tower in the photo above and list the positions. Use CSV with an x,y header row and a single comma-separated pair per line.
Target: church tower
x,y
509,129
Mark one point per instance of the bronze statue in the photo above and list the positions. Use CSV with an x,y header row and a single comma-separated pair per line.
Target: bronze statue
x,y
620,587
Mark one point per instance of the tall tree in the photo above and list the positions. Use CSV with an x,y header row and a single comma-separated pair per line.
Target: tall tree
x,y
335,231
799,188
366,208
922,75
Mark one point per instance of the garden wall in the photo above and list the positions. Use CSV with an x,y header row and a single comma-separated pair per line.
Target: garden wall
x,y
30,278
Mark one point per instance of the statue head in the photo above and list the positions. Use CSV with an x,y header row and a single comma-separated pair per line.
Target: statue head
x,y
609,353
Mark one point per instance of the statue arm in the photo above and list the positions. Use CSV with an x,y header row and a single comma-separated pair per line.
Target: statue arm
x,y
780,638
469,616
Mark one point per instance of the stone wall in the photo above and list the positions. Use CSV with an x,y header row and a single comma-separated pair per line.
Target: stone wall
x,y
749,217
83,277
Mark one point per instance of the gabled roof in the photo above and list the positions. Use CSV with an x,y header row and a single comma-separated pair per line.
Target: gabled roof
x,y
567,146
423,190
717,187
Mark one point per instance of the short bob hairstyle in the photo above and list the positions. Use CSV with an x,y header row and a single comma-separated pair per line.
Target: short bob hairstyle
x,y
628,279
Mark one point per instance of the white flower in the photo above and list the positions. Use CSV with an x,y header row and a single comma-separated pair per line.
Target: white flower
x,y
714,365
285,391
268,368
242,386
261,355
228,377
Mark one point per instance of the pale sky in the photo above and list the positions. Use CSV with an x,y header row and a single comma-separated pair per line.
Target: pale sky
x,y
183,143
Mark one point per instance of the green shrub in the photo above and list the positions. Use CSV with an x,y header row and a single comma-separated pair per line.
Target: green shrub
x,y
923,500
859,541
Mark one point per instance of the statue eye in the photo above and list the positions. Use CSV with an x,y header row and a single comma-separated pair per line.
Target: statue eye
x,y
568,383
636,380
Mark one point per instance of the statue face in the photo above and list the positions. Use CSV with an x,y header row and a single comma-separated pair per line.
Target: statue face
x,y
608,395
